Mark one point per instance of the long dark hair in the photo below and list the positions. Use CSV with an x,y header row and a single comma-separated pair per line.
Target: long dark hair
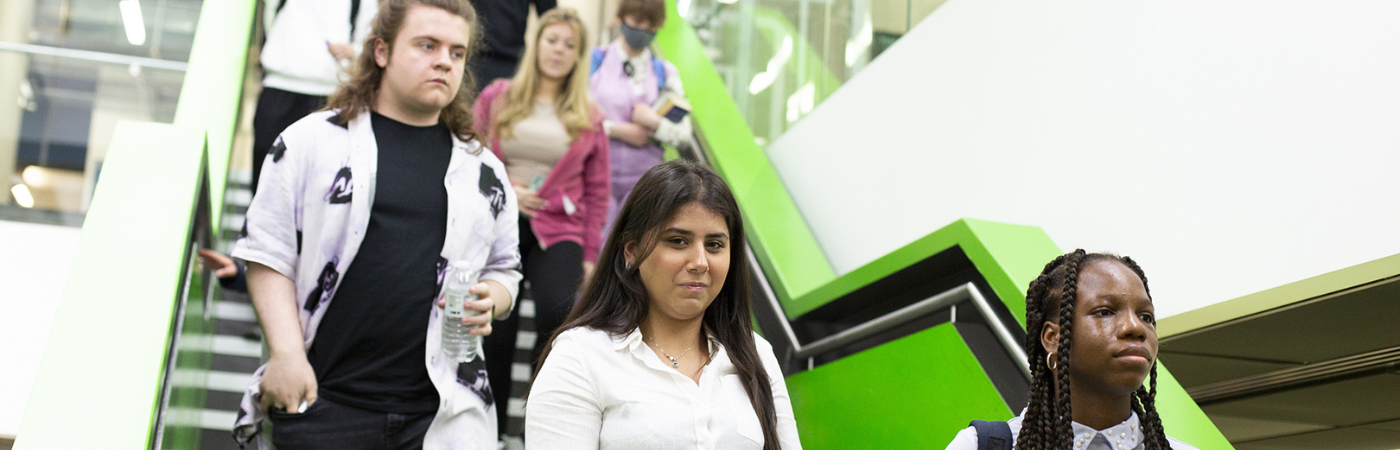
x,y
356,96
1051,298
615,300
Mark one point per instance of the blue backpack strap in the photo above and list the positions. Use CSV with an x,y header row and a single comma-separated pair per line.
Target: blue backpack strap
x,y
598,54
992,435
658,67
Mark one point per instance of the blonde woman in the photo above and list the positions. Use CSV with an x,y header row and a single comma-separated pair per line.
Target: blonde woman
x,y
550,135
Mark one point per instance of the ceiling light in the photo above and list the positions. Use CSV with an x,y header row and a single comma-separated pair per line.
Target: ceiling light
x,y
26,93
135,26
22,196
766,78
35,176
855,48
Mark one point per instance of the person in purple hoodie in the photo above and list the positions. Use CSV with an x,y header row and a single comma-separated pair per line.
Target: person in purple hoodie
x,y
627,82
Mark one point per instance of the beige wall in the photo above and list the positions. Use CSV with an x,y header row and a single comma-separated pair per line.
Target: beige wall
x,y
15,16
892,16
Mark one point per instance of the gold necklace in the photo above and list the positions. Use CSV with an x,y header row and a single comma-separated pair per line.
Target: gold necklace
x,y
674,363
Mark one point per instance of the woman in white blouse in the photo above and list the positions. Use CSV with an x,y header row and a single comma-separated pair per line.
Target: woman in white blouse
x,y
660,353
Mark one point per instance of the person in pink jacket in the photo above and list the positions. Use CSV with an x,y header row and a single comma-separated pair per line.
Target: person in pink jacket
x,y
549,133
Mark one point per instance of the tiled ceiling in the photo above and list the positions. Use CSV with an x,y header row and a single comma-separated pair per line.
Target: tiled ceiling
x,y
1291,378
96,25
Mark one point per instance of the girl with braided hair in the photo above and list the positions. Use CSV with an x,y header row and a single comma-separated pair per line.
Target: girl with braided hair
x,y
1092,341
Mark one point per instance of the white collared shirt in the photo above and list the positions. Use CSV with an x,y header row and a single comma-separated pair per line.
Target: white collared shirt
x,y
1124,436
600,392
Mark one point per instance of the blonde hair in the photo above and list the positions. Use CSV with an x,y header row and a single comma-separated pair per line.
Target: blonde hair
x,y
573,105
357,95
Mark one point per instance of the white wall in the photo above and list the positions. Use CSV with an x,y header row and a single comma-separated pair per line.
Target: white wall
x,y
1229,146
34,263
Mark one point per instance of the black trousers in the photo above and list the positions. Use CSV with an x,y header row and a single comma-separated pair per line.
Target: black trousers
x,y
277,110
329,425
554,275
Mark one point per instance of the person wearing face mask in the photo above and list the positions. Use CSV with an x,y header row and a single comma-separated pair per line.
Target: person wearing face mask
x,y
627,81
548,132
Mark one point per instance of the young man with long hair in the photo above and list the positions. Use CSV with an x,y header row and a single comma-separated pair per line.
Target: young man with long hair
x,y
362,210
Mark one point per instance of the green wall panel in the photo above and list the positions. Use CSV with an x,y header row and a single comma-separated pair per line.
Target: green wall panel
x,y
1182,418
99,386
1008,256
912,393
915,392
212,95
104,363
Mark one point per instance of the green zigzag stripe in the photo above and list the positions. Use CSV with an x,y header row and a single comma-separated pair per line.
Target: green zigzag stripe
x,y
1008,257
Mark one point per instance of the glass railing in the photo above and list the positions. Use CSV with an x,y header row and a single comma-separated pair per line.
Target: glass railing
x,y
780,58
68,73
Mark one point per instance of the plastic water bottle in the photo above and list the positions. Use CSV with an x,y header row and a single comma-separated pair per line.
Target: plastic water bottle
x,y
457,343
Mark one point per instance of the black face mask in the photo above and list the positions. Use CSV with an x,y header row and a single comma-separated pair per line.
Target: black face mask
x,y
636,38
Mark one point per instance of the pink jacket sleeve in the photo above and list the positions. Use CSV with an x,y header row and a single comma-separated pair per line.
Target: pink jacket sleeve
x,y
481,115
597,188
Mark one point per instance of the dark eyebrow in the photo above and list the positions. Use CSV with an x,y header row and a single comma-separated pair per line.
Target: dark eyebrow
x,y
688,233
438,41
1108,297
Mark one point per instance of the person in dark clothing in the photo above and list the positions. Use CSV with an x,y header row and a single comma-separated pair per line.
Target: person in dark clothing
x,y
307,45
232,273
503,30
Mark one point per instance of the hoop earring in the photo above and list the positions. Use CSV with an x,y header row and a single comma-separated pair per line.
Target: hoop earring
x,y
1050,361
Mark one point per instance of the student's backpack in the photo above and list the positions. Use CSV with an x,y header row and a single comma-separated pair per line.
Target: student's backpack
x,y
992,435
657,66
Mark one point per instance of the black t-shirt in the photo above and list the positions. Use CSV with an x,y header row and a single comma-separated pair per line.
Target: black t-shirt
x,y
369,349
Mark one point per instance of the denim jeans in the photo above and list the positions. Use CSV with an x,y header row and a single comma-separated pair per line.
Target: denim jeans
x,y
329,425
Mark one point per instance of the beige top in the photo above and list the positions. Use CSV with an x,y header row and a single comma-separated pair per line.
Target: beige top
x,y
540,141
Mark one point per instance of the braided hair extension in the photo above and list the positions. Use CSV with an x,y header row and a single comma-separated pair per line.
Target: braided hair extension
x,y
1155,437
1040,414
1048,418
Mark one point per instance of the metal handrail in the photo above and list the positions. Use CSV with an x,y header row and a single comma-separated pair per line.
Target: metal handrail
x,y
101,57
1003,334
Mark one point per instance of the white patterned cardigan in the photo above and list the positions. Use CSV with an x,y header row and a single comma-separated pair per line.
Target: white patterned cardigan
x,y
307,222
